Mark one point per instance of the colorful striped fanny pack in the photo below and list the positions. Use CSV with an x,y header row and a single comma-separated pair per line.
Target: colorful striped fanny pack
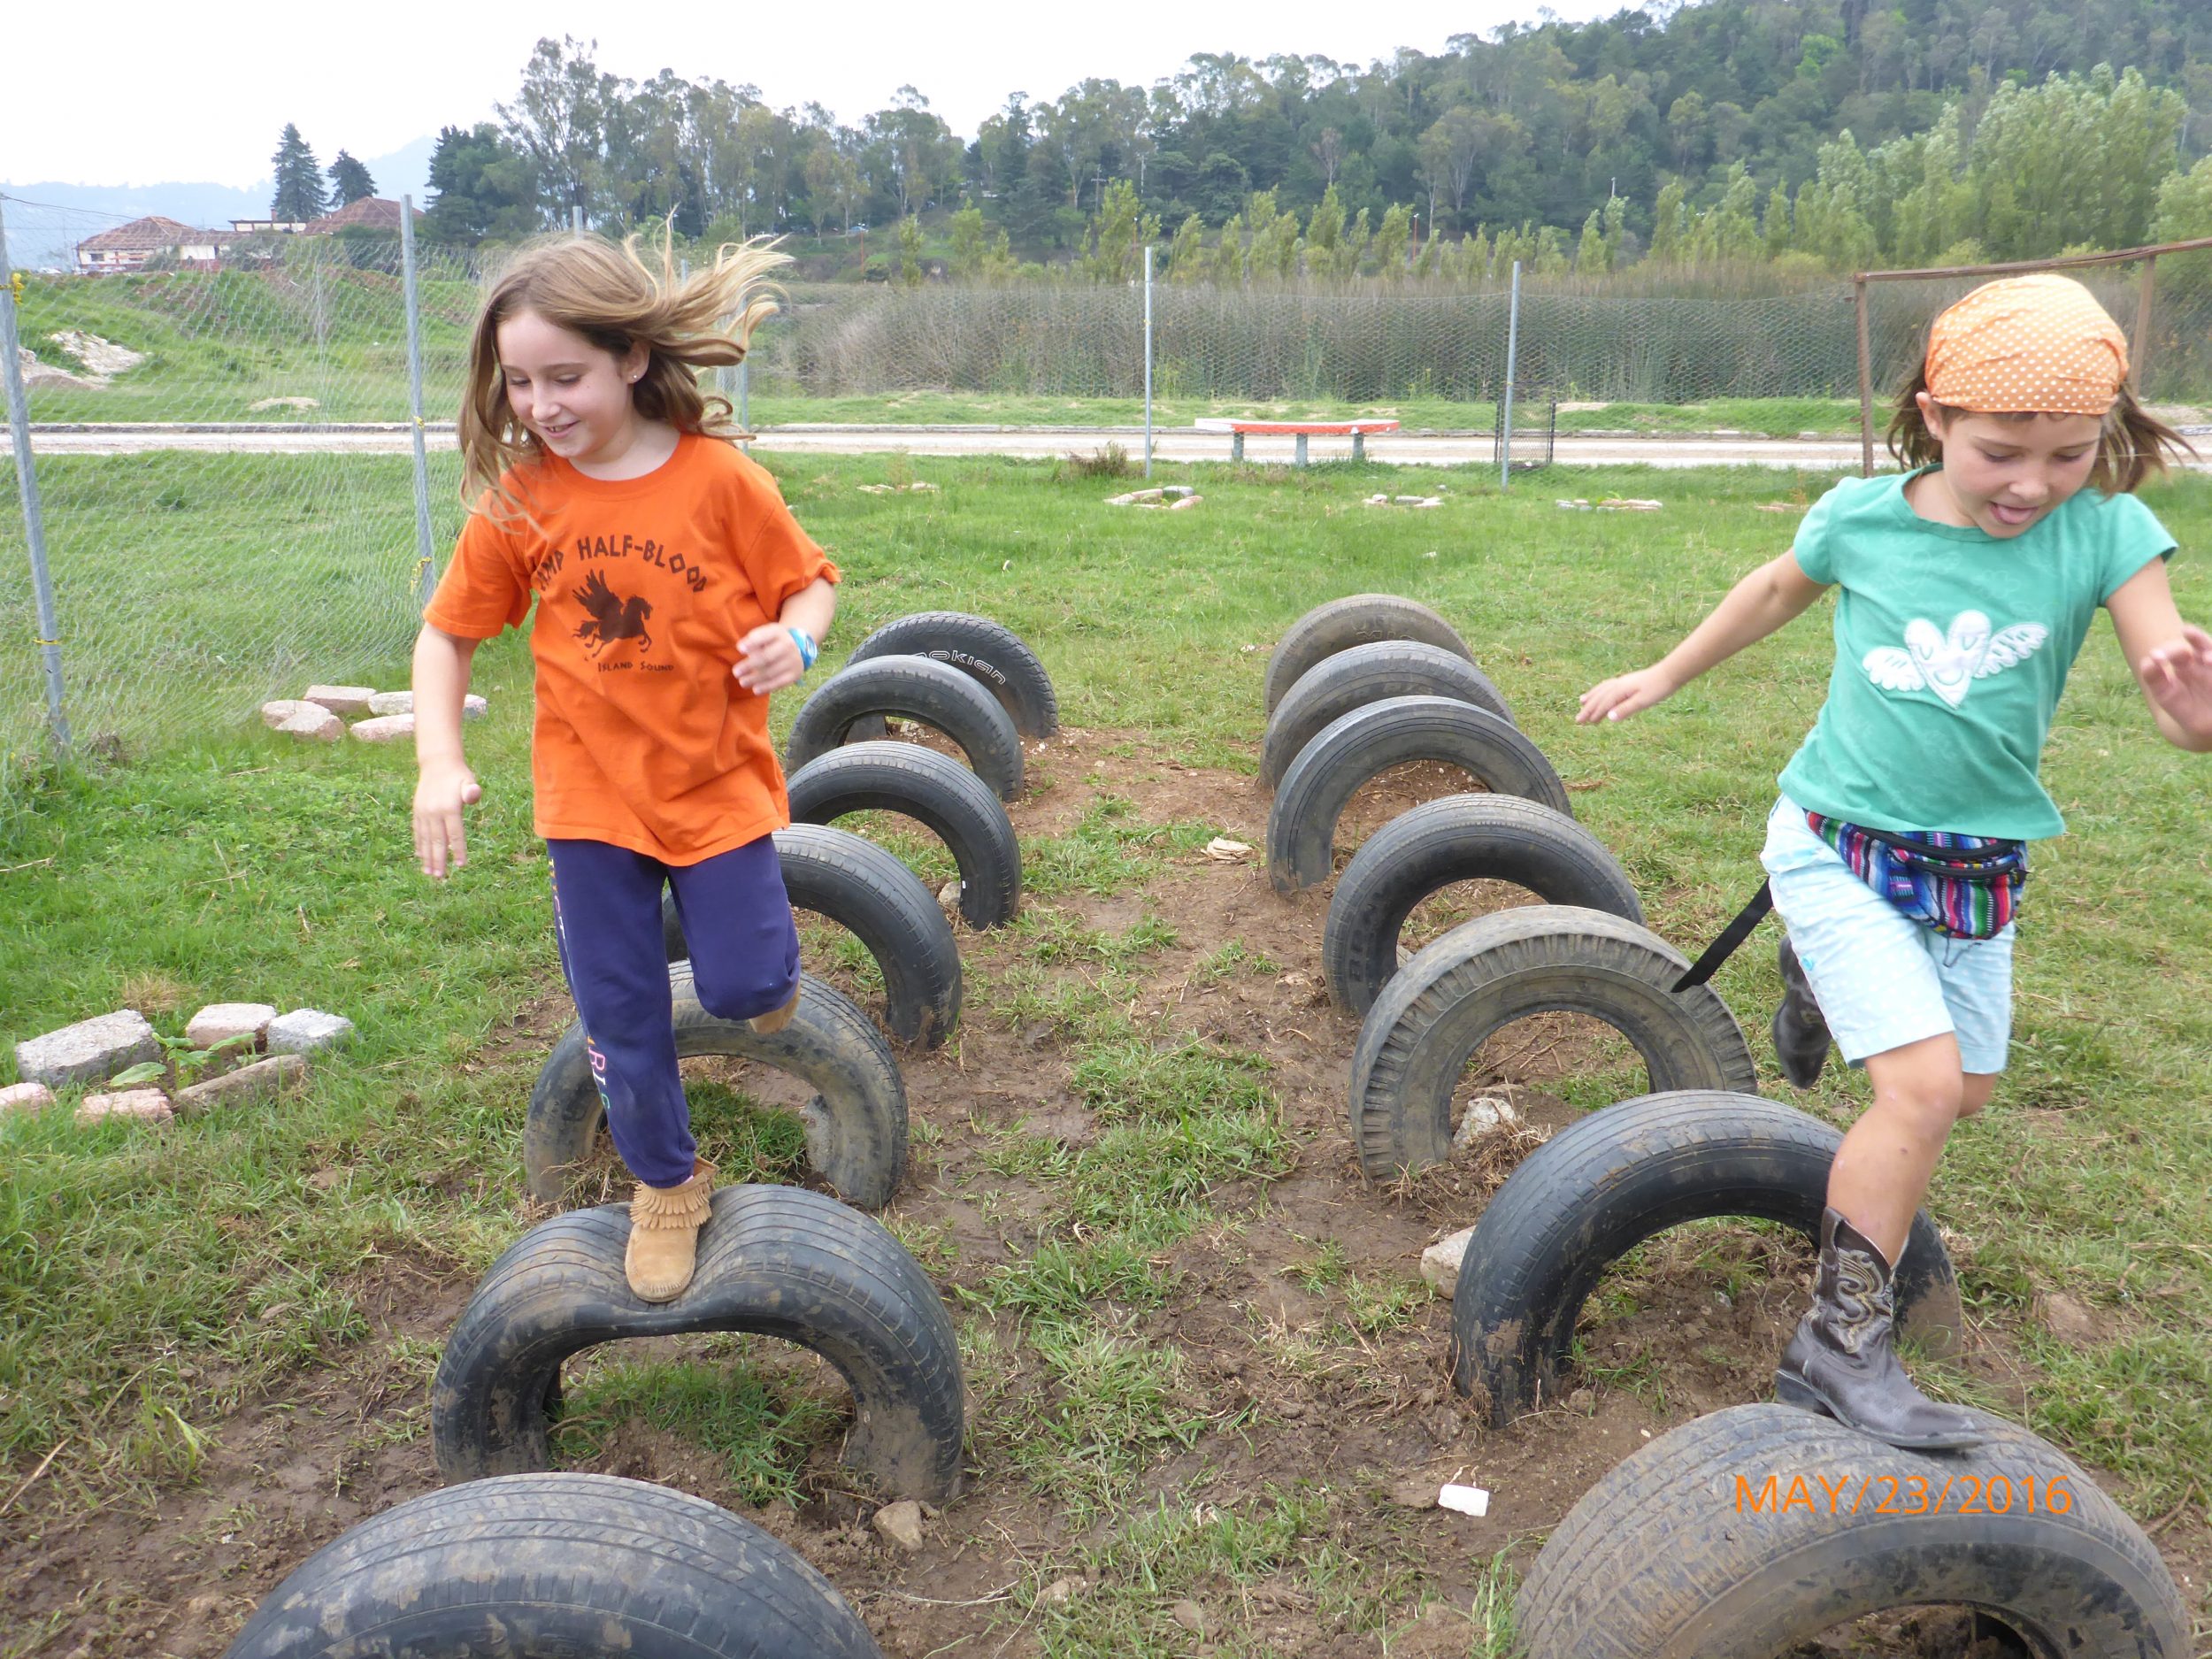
x,y
1964,886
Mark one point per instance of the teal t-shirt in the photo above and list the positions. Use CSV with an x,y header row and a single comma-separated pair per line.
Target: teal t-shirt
x,y
1952,648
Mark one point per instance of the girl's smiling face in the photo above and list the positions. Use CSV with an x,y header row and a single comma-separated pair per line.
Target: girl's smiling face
x,y
572,396
2001,474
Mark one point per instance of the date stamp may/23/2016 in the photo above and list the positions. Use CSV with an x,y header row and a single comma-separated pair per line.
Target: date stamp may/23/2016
x,y
1904,1494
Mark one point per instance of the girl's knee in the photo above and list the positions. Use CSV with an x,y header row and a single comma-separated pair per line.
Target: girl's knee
x,y
744,994
1975,1092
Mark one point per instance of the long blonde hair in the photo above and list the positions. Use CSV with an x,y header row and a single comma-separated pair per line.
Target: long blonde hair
x,y
607,293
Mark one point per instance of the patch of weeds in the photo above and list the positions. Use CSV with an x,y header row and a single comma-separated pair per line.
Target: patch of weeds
x,y
1118,1401
1203,1552
1109,849
1136,1170
744,1140
930,1243
1329,1265
1109,460
1023,996
1130,1079
1377,1309
1069,1281
762,1426
1236,956
1059,936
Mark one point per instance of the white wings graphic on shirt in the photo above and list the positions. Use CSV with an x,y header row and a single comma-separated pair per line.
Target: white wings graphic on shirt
x,y
1949,664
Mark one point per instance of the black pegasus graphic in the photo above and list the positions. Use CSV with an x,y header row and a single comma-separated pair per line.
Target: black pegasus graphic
x,y
613,618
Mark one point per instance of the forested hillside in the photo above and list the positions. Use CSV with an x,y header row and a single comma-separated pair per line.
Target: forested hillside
x,y
1836,132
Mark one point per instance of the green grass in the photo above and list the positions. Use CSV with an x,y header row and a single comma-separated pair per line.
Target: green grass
x,y
151,1282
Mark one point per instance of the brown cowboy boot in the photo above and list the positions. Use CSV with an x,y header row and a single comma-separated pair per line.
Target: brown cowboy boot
x,y
1841,1362
665,1223
1801,1035
776,1019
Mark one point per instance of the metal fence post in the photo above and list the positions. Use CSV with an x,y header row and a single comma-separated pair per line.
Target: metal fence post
x,y
1512,352
426,566
34,522
2139,348
1866,386
1148,359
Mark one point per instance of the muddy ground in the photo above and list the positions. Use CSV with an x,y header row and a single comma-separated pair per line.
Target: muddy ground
x,y
1371,1419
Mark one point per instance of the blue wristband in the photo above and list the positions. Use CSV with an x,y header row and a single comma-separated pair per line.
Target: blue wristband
x,y
807,649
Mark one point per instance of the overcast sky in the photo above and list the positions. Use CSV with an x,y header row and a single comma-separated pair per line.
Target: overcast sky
x,y
134,93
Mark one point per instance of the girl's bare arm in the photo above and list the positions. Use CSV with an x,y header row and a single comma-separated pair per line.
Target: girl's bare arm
x,y
2172,659
446,784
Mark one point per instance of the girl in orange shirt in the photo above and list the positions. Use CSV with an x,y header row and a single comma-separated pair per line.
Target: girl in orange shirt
x,y
674,593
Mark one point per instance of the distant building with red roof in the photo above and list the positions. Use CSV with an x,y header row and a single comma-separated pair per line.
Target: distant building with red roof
x,y
128,247
371,213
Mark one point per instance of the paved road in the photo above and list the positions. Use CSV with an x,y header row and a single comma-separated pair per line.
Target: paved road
x,y
1178,444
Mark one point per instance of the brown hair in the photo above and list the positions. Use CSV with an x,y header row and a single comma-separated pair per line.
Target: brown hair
x,y
2132,445
607,293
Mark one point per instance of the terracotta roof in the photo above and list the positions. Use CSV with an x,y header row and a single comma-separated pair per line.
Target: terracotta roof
x,y
375,212
149,235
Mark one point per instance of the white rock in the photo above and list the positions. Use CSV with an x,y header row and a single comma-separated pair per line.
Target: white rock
x,y
1440,1263
283,709
89,1050
305,1030
341,698
313,720
1485,1113
256,1081
1473,1501
472,707
282,402
26,1097
149,1105
219,1022
900,1523
385,728
1181,502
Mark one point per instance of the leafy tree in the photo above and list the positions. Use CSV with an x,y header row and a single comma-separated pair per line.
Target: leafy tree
x,y
1118,235
1187,254
299,180
1392,241
349,181
558,120
480,188
910,251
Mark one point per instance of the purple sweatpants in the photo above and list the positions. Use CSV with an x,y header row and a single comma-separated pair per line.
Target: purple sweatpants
x,y
744,960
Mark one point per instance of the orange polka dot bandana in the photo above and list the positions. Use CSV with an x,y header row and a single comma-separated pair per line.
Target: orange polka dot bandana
x,y
2039,343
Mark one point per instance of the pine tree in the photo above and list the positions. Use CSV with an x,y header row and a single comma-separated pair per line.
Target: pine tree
x,y
1591,256
299,180
1392,240
349,181
1187,254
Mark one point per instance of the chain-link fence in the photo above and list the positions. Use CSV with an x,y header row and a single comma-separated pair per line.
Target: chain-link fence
x,y
222,427
223,461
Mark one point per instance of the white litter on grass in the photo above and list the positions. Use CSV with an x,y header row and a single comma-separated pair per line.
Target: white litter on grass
x,y
1473,1501
1224,850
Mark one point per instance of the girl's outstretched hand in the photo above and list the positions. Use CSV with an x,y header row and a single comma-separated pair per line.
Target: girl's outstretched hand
x,y
768,660
2178,676
1623,695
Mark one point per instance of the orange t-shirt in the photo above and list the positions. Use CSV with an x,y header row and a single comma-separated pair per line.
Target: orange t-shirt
x,y
644,586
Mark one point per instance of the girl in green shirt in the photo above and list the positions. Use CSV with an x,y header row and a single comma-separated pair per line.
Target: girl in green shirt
x,y
1966,586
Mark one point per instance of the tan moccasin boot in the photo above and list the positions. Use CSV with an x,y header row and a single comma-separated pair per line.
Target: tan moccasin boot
x,y
776,1019
665,1223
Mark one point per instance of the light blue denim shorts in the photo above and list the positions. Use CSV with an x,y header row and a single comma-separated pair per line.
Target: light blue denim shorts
x,y
1883,981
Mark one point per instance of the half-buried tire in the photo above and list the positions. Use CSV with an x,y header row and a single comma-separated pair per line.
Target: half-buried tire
x,y
990,653
1457,838
1602,1185
1364,674
848,880
775,1261
855,1124
1750,1532
553,1566
919,689
1368,741
1484,975
1361,620
955,804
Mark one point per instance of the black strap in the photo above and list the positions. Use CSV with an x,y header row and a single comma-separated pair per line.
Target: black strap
x,y
1731,936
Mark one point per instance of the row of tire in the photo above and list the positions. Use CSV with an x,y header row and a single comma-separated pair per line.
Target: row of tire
x,y
1365,684
522,1560
515,1557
